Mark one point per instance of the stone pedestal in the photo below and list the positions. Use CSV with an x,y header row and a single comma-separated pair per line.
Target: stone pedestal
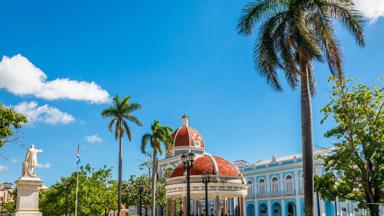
x,y
27,203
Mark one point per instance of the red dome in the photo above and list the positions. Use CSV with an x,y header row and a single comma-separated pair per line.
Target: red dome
x,y
187,136
207,163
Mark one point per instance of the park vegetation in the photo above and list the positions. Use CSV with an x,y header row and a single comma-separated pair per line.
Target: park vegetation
x,y
10,122
355,165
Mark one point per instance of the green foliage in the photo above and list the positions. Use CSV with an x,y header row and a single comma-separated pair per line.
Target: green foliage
x,y
293,31
10,120
96,192
10,207
357,159
121,114
160,134
131,195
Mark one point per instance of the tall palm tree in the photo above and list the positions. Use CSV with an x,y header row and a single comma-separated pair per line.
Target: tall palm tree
x,y
121,113
293,34
160,135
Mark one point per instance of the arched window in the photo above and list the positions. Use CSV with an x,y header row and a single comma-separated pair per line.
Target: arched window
x,y
250,188
275,185
291,209
263,210
261,187
289,184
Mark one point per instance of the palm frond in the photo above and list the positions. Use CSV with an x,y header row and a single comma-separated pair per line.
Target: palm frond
x,y
133,107
254,12
127,130
133,119
266,58
108,112
110,126
305,41
144,141
351,18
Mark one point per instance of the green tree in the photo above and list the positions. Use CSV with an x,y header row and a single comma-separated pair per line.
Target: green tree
x,y
356,163
160,135
97,189
293,34
131,195
10,120
121,114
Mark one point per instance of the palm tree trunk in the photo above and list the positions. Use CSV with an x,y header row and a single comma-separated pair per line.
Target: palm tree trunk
x,y
154,176
306,136
120,177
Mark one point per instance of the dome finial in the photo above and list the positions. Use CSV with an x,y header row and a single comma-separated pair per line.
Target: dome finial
x,y
184,120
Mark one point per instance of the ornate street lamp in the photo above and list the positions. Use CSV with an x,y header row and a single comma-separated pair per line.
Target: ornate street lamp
x,y
140,189
187,160
206,178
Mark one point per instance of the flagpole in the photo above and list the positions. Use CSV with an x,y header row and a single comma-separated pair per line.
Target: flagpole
x,y
77,178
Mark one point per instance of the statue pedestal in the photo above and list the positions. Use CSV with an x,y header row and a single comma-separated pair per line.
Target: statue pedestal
x,y
27,202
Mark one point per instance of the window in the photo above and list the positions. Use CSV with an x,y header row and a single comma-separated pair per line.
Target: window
x,y
302,182
274,185
250,188
289,184
261,187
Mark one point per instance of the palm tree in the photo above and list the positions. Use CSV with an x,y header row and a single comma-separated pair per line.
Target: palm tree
x,y
293,34
121,113
160,135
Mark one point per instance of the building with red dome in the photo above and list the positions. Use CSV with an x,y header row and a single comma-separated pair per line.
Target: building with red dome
x,y
227,189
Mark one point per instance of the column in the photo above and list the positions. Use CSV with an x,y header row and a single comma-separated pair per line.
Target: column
x,y
298,208
242,206
297,179
322,207
168,209
281,189
256,208
225,207
217,205
197,206
269,210
268,186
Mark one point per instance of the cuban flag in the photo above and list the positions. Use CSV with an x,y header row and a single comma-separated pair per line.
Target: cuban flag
x,y
78,154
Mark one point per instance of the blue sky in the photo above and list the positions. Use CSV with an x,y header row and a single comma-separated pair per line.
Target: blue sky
x,y
173,57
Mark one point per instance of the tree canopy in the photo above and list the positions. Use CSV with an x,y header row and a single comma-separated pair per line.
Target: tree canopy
x,y
355,164
97,189
10,121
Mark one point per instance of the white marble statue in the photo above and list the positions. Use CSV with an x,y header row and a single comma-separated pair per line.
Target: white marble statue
x,y
30,162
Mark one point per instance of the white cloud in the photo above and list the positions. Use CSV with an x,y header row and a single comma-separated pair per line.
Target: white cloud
x,y
43,166
14,160
3,168
371,9
20,77
45,114
93,138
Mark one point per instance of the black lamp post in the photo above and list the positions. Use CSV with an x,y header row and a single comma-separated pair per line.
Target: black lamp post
x,y
140,194
206,178
187,160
